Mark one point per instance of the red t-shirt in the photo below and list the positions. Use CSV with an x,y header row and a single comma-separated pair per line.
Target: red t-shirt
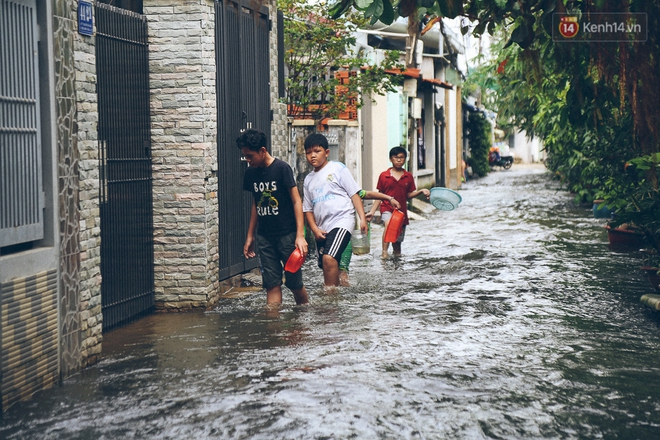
x,y
398,189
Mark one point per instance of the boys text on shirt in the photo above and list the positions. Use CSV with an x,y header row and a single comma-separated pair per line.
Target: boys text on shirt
x,y
327,193
270,188
398,189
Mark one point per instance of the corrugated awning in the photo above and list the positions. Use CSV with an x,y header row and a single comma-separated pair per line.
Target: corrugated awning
x,y
439,83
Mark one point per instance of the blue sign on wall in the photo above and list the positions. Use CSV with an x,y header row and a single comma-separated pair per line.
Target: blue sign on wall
x,y
85,19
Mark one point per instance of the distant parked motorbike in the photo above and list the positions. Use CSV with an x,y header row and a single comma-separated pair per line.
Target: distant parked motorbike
x,y
504,162
497,160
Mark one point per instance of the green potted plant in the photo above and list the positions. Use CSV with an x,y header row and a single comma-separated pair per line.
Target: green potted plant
x,y
635,199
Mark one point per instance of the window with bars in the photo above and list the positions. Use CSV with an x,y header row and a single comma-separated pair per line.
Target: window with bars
x,y
21,194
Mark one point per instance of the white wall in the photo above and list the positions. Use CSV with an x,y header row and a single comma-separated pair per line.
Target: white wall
x,y
452,141
527,150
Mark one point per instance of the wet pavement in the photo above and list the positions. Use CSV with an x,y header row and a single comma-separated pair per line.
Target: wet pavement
x,y
507,318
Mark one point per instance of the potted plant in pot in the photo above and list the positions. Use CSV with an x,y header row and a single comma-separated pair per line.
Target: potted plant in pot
x,y
635,199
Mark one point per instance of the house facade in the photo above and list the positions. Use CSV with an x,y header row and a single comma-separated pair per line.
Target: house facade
x,y
423,115
121,191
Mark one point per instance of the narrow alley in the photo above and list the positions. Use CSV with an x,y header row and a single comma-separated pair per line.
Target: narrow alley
x,y
521,323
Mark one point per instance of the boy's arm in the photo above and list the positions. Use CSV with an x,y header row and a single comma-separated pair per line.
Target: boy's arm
x,y
424,191
248,247
378,196
359,207
301,243
318,233
373,210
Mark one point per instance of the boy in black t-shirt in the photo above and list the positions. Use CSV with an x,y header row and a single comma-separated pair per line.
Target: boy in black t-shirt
x,y
276,220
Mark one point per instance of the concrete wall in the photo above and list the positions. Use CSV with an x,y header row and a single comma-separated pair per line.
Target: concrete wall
x,y
381,118
453,137
526,150
345,134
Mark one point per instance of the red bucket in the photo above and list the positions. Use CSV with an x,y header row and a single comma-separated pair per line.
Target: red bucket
x,y
295,261
394,227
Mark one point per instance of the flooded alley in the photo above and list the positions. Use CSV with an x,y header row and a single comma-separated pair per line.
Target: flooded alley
x,y
507,318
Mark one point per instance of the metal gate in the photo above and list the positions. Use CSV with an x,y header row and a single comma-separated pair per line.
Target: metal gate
x,y
127,249
243,94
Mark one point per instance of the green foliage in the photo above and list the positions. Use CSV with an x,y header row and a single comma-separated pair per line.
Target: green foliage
x,y
635,197
489,13
314,48
591,115
480,141
594,105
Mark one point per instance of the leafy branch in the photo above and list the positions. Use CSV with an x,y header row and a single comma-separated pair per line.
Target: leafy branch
x,y
315,49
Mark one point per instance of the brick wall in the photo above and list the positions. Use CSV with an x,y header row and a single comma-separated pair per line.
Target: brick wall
x,y
183,106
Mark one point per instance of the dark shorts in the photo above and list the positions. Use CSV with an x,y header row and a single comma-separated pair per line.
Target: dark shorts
x,y
273,253
334,244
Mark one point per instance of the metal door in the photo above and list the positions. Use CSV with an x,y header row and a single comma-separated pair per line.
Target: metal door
x,y
127,249
243,95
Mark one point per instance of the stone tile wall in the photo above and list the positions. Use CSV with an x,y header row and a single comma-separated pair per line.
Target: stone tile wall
x,y
67,148
184,150
80,280
91,319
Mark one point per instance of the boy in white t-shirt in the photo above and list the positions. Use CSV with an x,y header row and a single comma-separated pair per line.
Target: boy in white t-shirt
x,y
330,201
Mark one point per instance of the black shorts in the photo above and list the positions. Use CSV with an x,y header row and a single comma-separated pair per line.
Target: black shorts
x,y
334,244
273,253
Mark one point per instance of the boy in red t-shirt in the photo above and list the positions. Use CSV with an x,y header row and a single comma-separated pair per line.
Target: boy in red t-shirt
x,y
400,184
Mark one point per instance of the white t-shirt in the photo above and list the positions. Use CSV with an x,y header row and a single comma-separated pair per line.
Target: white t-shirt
x,y
327,193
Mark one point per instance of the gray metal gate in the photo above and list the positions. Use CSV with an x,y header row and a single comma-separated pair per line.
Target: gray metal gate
x,y
243,94
127,249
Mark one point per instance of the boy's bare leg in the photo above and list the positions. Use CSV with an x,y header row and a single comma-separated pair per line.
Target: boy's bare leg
x,y
396,248
343,279
386,245
384,254
301,296
330,271
274,295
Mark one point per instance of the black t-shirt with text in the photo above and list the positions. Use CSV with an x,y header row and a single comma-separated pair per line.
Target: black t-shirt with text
x,y
270,188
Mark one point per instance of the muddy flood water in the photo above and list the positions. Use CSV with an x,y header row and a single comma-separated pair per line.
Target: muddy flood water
x,y
507,318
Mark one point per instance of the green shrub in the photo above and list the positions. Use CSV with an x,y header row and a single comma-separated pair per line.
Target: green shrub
x,y
480,141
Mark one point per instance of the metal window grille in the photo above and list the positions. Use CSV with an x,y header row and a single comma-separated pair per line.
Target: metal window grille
x,y
21,194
